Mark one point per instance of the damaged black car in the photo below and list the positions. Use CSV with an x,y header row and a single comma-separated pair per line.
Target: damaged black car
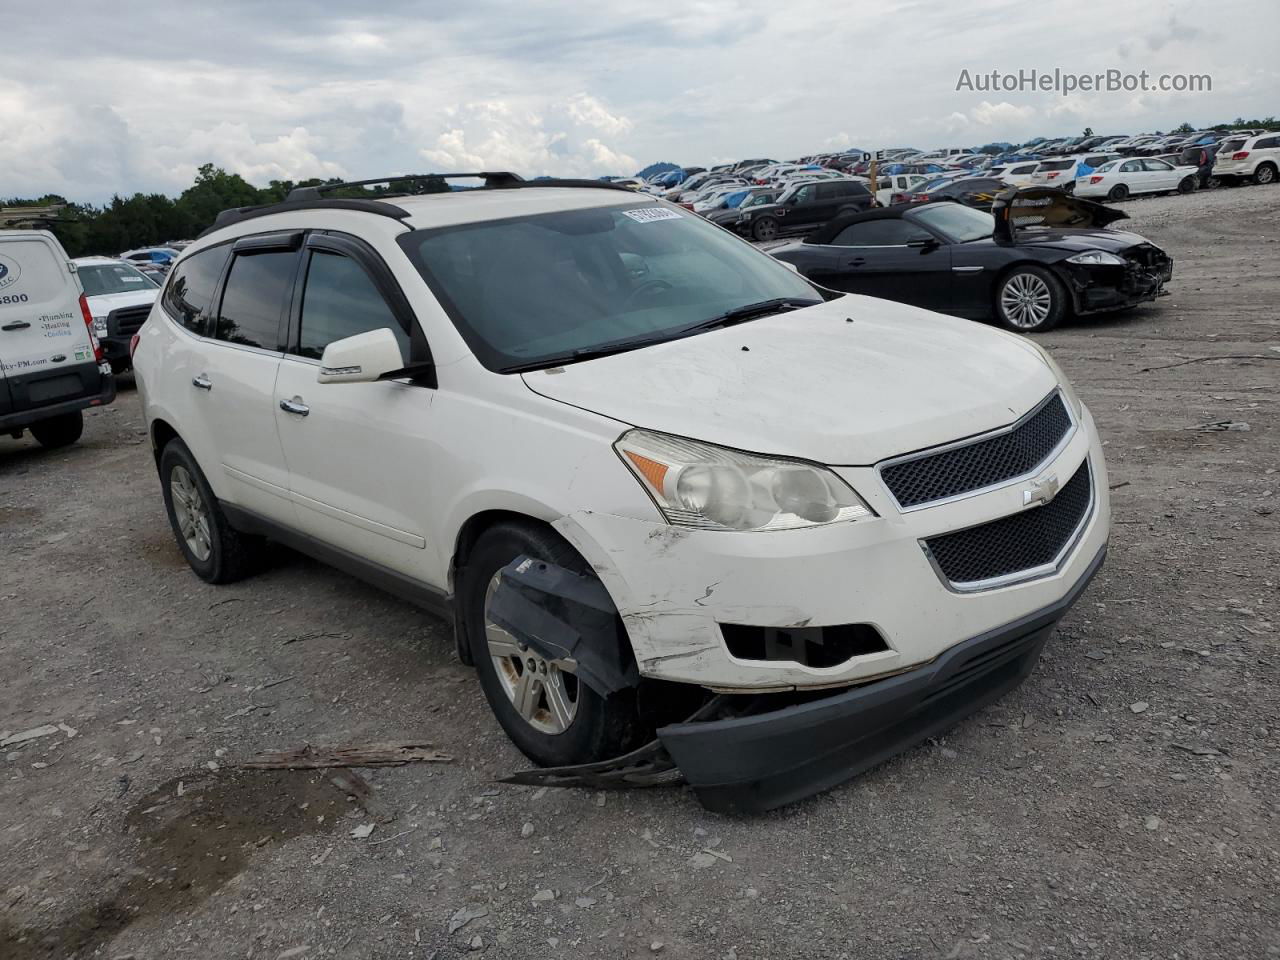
x,y
1039,257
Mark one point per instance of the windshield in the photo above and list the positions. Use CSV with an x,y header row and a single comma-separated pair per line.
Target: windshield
x,y
956,221
105,278
536,290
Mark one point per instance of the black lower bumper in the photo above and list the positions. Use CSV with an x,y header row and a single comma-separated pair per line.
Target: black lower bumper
x,y
36,412
115,348
755,763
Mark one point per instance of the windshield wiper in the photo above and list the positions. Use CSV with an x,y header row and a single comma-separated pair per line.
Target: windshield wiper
x,y
726,319
591,353
750,312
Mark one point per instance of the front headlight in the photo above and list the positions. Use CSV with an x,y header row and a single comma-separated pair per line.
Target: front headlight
x,y
1097,258
713,488
100,326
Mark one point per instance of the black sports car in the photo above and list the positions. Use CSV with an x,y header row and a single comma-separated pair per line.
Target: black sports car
x,y
1038,257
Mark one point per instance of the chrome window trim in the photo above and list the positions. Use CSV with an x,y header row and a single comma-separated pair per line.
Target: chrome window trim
x,y
1031,573
979,438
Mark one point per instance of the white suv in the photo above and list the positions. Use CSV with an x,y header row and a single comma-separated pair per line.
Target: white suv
x,y
660,482
1257,158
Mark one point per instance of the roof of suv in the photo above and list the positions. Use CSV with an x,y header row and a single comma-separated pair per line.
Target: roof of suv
x,y
498,198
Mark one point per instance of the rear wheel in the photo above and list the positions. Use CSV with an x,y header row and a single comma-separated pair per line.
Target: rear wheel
x,y
217,552
553,718
766,228
1030,300
1118,192
1266,173
59,431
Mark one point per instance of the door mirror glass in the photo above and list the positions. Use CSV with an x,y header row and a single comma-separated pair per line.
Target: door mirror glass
x,y
364,358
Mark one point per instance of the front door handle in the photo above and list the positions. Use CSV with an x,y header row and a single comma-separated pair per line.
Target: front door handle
x,y
295,406
856,262
16,325
202,382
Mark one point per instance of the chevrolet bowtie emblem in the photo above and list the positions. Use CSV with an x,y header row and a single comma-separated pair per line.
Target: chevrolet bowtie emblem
x,y
1041,491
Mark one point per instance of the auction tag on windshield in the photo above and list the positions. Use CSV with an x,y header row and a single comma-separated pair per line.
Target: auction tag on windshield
x,y
650,214
130,279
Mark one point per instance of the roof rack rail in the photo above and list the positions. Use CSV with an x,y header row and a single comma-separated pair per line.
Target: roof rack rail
x,y
493,180
238,214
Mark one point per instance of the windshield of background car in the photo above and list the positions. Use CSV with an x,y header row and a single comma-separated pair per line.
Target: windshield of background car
x,y
956,221
539,289
105,278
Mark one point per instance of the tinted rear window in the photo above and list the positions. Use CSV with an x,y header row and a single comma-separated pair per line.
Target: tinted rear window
x,y
256,295
1057,164
189,295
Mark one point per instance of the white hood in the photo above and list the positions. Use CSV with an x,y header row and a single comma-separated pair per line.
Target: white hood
x,y
104,303
810,384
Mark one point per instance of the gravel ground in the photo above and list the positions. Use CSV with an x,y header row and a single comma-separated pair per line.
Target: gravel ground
x,y
1121,803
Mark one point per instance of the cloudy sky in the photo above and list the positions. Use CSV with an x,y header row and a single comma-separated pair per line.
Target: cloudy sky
x,y
111,98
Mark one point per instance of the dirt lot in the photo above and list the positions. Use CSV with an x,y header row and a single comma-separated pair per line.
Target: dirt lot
x,y
1122,803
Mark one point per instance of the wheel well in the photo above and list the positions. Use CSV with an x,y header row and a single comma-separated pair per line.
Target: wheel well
x,y
468,535
161,434
1265,163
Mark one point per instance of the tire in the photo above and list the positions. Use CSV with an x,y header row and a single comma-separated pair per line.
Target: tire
x,y
60,431
587,727
1188,185
1118,192
1030,299
1266,173
120,366
1070,188
215,551
766,228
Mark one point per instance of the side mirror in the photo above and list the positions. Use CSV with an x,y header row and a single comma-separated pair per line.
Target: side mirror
x,y
364,358
925,245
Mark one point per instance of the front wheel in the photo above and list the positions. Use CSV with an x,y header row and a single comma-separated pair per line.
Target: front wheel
x,y
1030,300
215,551
553,718
1118,192
766,228
1188,185
60,431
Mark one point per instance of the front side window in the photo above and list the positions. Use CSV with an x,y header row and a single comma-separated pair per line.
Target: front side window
x,y
1157,166
256,296
544,289
1132,166
956,221
340,300
103,278
806,194
189,294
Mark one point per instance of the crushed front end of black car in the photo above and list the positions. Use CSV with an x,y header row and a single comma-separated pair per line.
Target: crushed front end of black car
x,y
1112,286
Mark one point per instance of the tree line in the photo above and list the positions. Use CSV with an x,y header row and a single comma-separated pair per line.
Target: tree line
x,y
148,219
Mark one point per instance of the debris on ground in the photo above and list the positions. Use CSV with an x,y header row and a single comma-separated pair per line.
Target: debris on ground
x,y
1222,426
355,755
363,831
33,734
465,915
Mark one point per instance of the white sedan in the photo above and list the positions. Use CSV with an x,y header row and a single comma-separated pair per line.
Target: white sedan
x,y
1120,178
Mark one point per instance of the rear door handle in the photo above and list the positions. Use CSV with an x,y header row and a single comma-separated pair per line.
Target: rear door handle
x,y
295,406
16,325
202,382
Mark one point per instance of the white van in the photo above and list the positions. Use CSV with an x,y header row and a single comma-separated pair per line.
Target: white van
x,y
51,365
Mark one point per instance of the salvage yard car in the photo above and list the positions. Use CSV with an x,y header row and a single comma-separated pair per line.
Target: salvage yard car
x,y
674,497
1045,256
1256,157
120,299
801,207
1117,179
51,364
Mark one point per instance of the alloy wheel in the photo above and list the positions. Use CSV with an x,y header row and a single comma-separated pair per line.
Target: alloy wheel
x,y
543,693
1026,300
191,513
